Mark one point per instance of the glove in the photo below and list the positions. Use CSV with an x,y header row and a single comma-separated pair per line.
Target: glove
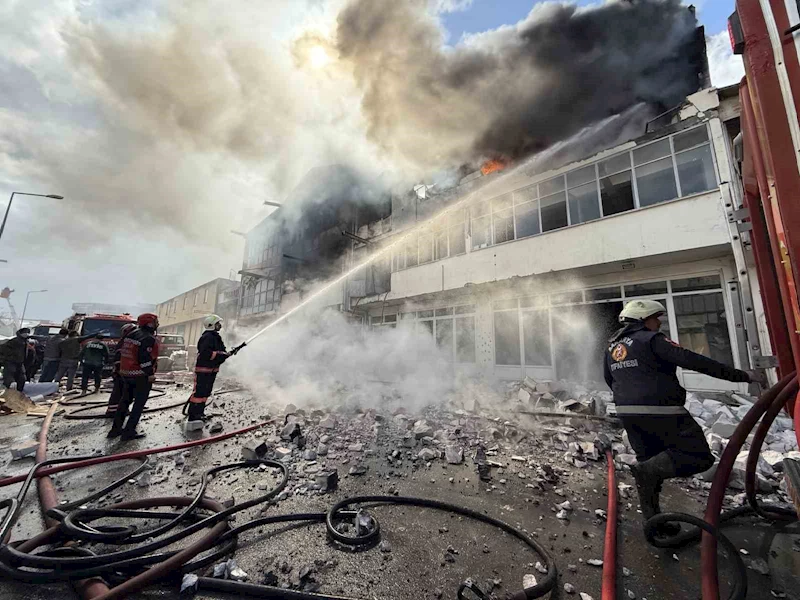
x,y
758,376
239,347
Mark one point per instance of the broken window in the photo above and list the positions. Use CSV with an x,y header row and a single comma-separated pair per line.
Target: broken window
x,y
455,231
465,339
554,211
616,184
526,212
703,325
481,225
583,203
506,338
536,337
503,226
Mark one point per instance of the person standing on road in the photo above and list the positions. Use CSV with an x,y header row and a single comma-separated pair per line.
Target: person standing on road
x,y
640,368
12,357
137,369
31,360
93,356
116,389
51,355
68,352
211,353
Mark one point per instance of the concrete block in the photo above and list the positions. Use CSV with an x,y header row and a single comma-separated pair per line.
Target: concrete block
x,y
725,426
254,450
190,426
422,429
327,481
24,449
328,422
427,454
695,407
282,452
454,454
523,395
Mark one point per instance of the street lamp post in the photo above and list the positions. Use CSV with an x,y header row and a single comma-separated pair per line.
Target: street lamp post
x,y
25,307
10,200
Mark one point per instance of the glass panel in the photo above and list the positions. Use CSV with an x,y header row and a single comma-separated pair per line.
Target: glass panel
x,y
457,216
390,319
465,339
614,164
536,336
656,182
425,248
444,337
665,319
651,152
481,235
554,212
505,304
551,186
423,314
440,244
703,325
607,293
526,194
458,241
503,226
616,192
425,327
479,208
707,282
506,338
527,216
646,289
696,170
583,205
567,298
690,139
408,316
377,319
441,312
580,176
502,202
466,309
533,301
411,252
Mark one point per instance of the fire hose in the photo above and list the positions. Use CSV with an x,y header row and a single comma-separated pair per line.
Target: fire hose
x,y
769,406
136,567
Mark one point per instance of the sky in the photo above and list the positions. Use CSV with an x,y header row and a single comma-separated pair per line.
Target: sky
x,y
164,124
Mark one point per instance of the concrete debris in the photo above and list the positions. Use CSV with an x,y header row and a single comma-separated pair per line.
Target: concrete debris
x,y
626,572
385,546
144,479
327,481
254,450
282,453
191,426
328,422
585,596
759,565
427,454
189,584
627,459
357,470
529,580
422,429
291,431
357,447
563,515
725,425
215,427
569,588
595,562
600,513
24,449
309,455
540,567
454,454
566,505
631,595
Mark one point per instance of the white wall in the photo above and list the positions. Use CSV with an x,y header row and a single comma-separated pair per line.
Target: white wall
x,y
684,224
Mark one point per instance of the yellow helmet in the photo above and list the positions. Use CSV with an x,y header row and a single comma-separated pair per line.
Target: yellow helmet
x,y
639,310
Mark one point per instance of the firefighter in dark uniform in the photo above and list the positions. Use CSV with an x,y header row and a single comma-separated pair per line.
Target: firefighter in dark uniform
x,y
116,389
12,357
640,368
137,368
211,353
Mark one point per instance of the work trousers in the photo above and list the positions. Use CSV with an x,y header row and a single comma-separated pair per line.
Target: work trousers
x,y
116,393
203,386
49,369
67,367
14,372
95,371
134,390
679,435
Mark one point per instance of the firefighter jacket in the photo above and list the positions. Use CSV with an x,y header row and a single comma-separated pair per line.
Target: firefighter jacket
x,y
640,368
14,350
138,354
94,353
116,356
70,348
51,348
211,352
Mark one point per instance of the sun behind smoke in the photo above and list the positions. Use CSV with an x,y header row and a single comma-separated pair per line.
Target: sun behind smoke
x,y
318,57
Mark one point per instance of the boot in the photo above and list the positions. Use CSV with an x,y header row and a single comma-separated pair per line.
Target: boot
x,y
650,476
665,529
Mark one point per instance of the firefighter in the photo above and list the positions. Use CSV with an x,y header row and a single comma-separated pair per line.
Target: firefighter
x,y
12,357
137,369
116,390
51,355
68,351
211,353
31,360
92,357
640,368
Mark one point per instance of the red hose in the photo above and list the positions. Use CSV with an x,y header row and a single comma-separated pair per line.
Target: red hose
x,y
610,548
132,454
708,547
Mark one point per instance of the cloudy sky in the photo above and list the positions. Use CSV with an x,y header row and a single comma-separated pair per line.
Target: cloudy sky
x,y
166,123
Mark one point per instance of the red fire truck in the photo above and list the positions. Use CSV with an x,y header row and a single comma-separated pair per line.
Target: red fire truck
x,y
109,324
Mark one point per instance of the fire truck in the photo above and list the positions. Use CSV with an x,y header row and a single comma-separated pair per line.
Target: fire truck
x,y
108,324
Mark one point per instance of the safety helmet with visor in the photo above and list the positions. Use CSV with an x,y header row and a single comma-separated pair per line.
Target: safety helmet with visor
x,y
211,321
148,320
640,310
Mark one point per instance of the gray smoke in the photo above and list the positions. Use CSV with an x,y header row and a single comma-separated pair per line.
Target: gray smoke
x,y
515,90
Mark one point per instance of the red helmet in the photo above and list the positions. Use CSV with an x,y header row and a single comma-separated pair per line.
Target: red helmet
x,y
127,328
148,320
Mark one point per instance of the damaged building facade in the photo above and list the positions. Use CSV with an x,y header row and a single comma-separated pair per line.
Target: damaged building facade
x,y
523,273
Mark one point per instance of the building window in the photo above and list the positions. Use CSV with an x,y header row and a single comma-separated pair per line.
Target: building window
x,y
465,339
196,298
553,202
655,182
425,248
455,232
583,196
481,225
506,337
205,296
526,211
185,299
703,325
536,337
502,219
616,184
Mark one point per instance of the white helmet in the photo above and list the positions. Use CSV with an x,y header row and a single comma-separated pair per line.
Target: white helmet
x,y
639,310
210,322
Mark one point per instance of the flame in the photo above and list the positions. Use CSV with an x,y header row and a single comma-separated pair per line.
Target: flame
x,y
495,164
